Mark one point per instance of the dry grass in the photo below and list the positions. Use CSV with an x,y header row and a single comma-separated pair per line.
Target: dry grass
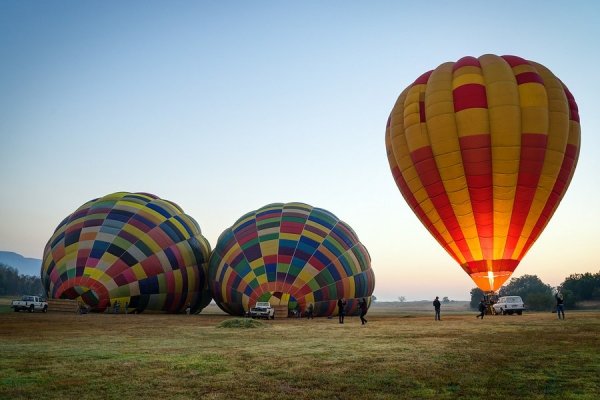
x,y
107,356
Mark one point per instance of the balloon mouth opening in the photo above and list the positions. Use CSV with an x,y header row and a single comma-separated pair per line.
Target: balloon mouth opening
x,y
93,294
490,281
489,275
279,299
84,294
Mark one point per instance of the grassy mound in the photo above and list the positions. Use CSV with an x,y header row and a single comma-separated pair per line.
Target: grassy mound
x,y
241,323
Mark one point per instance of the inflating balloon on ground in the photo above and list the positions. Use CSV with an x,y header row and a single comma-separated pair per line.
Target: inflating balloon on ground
x,y
131,250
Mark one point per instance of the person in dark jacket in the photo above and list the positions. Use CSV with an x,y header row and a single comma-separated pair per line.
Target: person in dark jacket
x,y
362,303
341,312
436,306
560,306
481,309
310,311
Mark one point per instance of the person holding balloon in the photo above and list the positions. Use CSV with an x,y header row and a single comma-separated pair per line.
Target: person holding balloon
x,y
560,307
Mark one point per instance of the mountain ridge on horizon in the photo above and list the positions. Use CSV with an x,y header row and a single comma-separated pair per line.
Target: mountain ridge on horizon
x,y
25,265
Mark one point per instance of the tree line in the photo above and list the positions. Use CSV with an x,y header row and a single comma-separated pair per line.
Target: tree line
x,y
13,284
538,296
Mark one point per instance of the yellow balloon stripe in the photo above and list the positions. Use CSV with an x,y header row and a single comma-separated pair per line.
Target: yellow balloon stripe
x,y
445,145
505,131
406,167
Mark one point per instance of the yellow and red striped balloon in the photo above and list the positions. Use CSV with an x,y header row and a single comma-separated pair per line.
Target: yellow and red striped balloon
x,y
483,150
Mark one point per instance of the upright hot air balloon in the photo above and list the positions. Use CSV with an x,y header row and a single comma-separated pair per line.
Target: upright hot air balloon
x,y
483,150
133,248
288,254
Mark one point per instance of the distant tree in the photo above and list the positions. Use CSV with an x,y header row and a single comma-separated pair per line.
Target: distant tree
x,y
580,287
476,296
401,299
373,298
13,284
446,299
535,294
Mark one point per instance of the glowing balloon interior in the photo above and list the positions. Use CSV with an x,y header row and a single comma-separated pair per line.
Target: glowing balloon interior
x,y
483,150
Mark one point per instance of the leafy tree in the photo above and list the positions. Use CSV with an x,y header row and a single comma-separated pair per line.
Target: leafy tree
x,y
401,299
535,294
476,296
579,287
446,299
374,298
13,284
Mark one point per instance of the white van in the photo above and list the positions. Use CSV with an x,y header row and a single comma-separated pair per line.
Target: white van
x,y
509,305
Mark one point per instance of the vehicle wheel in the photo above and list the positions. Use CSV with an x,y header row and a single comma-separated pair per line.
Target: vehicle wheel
x,y
16,309
45,309
510,312
31,308
519,312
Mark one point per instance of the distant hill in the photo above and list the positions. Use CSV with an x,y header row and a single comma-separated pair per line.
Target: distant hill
x,y
26,266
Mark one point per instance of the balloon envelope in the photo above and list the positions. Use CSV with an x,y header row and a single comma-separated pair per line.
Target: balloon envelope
x,y
290,253
134,248
483,150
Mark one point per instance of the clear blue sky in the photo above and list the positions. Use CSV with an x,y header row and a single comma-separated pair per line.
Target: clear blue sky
x,y
225,106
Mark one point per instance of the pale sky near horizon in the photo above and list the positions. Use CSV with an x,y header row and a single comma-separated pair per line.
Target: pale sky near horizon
x,y
226,106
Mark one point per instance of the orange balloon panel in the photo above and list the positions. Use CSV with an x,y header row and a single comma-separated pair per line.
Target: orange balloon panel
x,y
483,150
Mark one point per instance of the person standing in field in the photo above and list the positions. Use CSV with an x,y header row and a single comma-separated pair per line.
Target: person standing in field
x,y
341,312
362,304
309,311
436,306
560,307
481,309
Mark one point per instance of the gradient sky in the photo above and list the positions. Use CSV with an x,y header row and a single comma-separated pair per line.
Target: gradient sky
x,y
225,106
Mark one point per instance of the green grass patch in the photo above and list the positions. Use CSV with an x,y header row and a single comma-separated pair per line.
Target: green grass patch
x,y
4,309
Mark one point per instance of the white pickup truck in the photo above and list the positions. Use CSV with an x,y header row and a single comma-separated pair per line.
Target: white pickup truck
x,y
30,303
262,309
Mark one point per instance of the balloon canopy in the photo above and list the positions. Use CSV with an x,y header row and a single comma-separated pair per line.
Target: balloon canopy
x,y
132,248
290,254
483,150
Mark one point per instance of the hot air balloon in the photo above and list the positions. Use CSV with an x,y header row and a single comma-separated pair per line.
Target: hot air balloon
x,y
132,248
483,150
290,254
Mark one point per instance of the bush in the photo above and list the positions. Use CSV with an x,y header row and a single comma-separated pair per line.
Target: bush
x,y
243,323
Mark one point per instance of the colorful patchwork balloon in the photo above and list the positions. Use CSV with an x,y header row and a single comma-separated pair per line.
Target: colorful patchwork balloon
x,y
133,249
290,254
483,150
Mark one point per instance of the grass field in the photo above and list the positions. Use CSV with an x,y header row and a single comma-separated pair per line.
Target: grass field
x,y
398,354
